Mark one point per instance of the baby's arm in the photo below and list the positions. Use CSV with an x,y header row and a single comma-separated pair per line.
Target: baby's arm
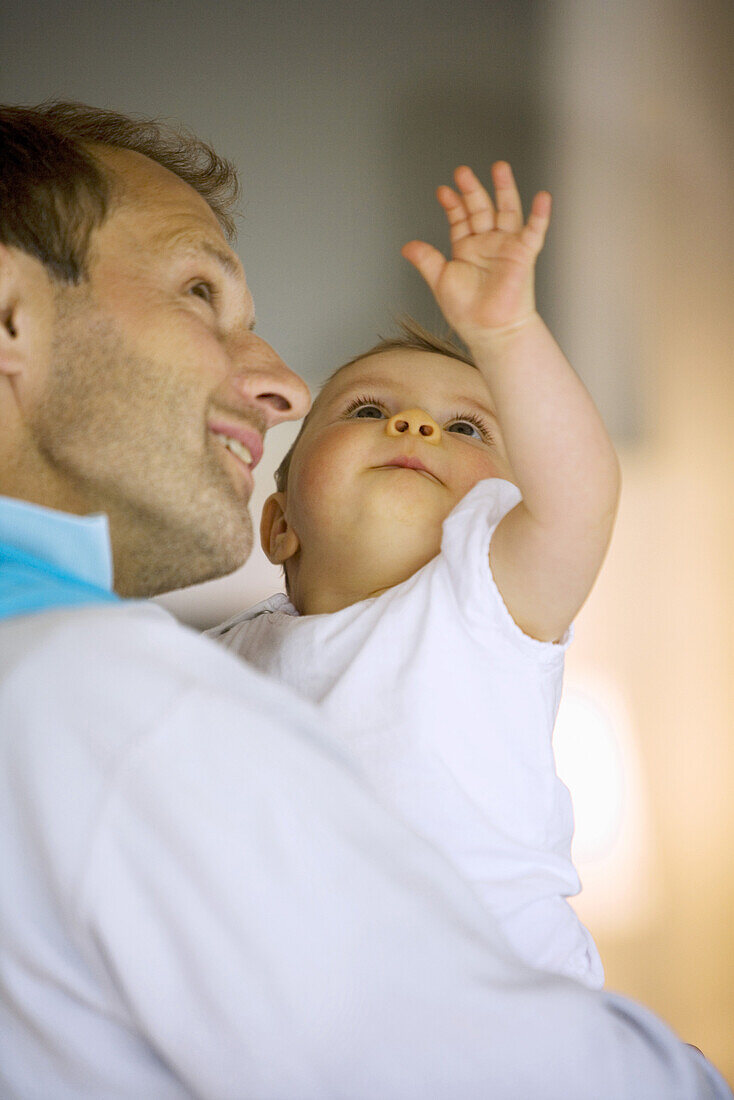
x,y
547,551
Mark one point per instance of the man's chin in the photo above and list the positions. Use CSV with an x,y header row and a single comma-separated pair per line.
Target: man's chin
x,y
221,556
189,558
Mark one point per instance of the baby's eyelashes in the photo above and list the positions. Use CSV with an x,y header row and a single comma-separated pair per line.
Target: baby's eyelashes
x,y
468,424
471,426
365,408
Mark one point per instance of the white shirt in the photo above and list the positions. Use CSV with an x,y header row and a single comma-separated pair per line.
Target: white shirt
x,y
449,708
199,898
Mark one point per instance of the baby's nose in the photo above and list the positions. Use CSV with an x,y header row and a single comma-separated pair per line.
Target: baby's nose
x,y
414,422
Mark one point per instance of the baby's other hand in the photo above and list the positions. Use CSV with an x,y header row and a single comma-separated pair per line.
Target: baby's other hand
x,y
488,284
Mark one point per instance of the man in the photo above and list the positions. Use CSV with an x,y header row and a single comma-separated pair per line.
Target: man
x,y
199,897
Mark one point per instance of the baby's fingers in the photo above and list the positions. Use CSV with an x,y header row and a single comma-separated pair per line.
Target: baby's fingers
x,y
507,198
476,200
456,212
533,233
426,259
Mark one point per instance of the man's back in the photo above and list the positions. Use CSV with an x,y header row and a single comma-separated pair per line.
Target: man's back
x,y
202,899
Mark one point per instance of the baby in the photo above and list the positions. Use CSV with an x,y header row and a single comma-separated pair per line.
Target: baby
x,y
441,519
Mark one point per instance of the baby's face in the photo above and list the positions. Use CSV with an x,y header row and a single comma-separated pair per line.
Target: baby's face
x,y
393,444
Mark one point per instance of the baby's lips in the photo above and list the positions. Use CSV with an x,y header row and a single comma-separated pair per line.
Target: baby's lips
x,y
410,462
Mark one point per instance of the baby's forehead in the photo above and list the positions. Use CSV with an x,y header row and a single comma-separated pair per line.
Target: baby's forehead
x,y
408,371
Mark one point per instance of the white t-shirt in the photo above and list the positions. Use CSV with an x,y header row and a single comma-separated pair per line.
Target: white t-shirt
x,y
200,898
449,708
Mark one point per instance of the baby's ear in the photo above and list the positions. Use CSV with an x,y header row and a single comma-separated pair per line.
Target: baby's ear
x,y
277,537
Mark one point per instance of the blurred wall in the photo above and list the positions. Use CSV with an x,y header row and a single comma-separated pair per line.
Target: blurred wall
x,y
343,119
645,280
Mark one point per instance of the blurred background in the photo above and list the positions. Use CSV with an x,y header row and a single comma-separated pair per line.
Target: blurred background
x,y
343,119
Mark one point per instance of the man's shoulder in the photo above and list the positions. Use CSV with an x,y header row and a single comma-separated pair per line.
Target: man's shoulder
x,y
99,684
132,650
71,635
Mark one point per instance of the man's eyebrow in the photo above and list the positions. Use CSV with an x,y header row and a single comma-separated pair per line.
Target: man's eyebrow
x,y
223,258
187,241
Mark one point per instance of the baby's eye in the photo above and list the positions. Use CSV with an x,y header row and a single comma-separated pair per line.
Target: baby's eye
x,y
466,427
364,408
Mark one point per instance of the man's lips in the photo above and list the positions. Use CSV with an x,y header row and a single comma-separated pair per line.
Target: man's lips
x,y
243,442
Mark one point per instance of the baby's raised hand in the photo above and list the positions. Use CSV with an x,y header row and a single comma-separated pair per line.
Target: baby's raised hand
x,y
488,284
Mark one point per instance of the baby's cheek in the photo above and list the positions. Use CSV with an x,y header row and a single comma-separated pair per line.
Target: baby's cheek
x,y
479,468
317,487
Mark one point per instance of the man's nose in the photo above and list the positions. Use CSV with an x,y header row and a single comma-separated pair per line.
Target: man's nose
x,y
262,378
414,422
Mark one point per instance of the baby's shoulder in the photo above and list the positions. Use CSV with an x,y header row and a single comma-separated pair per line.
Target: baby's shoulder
x,y
278,602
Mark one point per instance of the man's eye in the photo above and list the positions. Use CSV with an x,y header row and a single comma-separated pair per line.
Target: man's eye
x,y
465,427
203,290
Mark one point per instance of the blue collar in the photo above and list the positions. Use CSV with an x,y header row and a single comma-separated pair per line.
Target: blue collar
x,y
51,559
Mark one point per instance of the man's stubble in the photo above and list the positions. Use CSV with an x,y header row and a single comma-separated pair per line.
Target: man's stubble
x,y
130,435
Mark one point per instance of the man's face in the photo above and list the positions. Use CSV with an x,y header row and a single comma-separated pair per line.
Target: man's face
x,y
158,392
351,494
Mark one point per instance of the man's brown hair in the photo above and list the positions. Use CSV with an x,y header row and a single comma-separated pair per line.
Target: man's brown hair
x,y
54,192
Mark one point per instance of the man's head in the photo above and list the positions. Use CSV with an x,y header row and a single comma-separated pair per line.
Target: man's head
x,y
393,442
131,381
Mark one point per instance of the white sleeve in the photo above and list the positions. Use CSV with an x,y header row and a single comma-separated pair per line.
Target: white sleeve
x,y
465,546
276,934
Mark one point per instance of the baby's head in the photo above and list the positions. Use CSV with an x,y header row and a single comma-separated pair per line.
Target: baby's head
x,y
392,443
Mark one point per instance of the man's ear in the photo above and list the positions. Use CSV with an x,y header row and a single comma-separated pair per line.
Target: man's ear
x,y
277,537
13,344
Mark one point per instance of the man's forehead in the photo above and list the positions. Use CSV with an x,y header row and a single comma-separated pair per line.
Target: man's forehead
x,y
160,213
158,196
140,177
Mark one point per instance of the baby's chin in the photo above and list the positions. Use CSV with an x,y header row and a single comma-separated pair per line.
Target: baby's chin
x,y
406,496
372,560
394,555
